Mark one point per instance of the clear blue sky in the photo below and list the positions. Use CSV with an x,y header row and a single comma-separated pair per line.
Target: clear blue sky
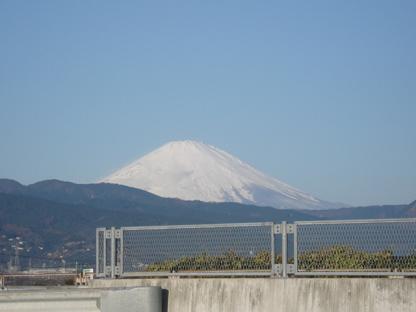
x,y
320,94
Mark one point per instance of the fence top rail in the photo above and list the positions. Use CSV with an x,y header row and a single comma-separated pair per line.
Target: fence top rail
x,y
195,226
357,221
253,224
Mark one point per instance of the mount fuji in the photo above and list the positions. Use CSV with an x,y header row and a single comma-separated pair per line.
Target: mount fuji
x,y
193,170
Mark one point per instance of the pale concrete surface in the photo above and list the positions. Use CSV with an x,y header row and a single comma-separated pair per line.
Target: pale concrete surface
x,y
288,295
138,299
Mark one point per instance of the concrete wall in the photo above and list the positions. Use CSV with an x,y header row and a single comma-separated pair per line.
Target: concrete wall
x,y
140,299
288,295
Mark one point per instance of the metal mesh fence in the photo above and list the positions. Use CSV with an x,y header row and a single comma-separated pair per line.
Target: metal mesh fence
x,y
356,246
198,248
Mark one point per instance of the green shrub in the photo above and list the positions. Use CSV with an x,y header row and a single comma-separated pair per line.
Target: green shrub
x,y
347,258
334,258
229,261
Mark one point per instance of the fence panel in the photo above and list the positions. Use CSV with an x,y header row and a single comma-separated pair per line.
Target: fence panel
x,y
355,247
214,249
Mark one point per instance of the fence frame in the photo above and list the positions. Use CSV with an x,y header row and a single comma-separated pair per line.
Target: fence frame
x,y
283,269
117,268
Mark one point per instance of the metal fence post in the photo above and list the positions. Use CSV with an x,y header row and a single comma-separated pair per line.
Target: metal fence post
x,y
113,253
105,253
97,253
284,249
121,252
295,249
272,252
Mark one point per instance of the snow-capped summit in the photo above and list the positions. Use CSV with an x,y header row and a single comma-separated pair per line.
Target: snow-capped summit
x,y
196,171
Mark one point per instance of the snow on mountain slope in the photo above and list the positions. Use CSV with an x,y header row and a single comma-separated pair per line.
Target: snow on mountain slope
x,y
196,171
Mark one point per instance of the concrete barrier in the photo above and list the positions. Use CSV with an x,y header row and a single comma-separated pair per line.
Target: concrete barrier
x,y
288,295
138,299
